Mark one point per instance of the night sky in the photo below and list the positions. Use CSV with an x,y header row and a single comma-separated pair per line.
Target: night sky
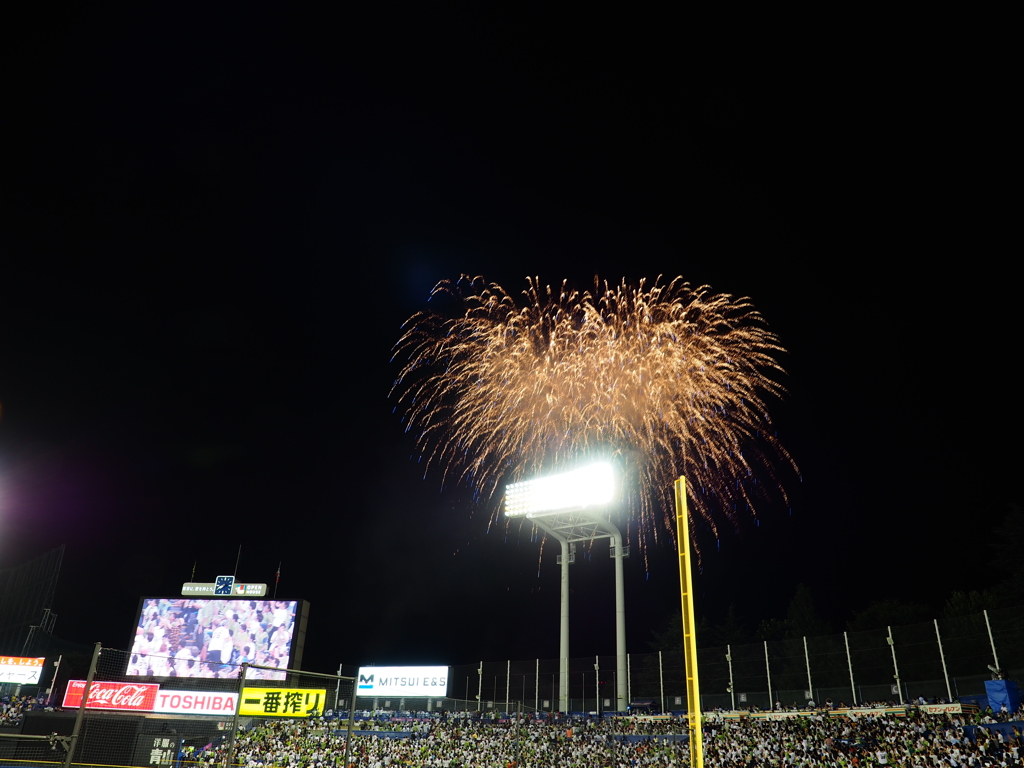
x,y
217,221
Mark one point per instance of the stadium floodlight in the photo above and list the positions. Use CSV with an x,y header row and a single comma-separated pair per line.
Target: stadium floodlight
x,y
590,486
570,508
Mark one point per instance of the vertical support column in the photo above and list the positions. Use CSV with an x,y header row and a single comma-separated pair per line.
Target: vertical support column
x,y
480,688
689,627
337,689
350,730
768,671
629,682
508,683
942,655
807,660
895,669
849,663
620,622
991,640
563,636
732,687
661,681
73,742
536,688
230,752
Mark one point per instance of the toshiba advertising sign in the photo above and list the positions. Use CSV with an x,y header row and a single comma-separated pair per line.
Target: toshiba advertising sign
x,y
103,694
195,703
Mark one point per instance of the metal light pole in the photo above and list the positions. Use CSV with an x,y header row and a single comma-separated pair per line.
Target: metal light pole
x,y
629,681
620,619
568,556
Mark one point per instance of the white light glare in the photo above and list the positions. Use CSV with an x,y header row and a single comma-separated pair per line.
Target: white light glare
x,y
589,486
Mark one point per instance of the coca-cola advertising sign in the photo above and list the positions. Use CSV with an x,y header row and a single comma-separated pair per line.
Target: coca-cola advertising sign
x,y
109,695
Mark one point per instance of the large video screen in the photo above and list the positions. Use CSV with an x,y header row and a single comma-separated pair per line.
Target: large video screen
x,y
202,637
403,681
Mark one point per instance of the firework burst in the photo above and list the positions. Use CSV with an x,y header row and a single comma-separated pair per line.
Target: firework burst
x,y
667,379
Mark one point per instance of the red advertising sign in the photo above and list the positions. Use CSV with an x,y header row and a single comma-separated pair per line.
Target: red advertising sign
x,y
109,695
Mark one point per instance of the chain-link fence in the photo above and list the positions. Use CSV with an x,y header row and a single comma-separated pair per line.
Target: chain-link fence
x,y
946,659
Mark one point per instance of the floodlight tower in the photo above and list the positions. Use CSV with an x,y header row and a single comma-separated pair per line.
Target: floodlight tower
x,y
568,507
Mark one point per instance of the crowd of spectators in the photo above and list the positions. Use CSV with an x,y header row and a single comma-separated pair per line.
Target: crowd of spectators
x,y
814,739
13,708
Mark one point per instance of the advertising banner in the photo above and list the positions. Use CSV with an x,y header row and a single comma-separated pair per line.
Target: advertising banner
x,y
156,750
195,703
148,697
941,709
282,702
20,669
103,694
403,681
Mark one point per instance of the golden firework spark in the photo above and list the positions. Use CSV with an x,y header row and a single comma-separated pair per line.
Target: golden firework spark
x,y
667,379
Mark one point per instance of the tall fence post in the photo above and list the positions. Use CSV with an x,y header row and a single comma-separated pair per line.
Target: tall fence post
x,y
992,642
942,655
895,668
81,707
536,688
849,663
351,720
629,682
661,681
230,753
807,660
337,689
480,688
732,688
508,682
768,670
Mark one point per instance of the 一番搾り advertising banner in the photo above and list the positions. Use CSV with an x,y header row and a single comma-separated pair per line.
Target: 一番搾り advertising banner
x,y
282,702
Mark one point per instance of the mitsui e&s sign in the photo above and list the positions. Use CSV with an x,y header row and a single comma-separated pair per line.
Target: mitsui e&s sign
x,y
403,681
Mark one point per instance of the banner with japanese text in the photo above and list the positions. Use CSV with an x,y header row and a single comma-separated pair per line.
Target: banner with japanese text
x,y
21,669
282,702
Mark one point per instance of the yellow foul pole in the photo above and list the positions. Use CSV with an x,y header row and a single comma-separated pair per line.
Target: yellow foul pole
x,y
689,627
